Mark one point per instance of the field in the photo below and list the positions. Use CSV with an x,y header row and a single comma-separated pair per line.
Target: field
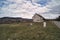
x,y
25,31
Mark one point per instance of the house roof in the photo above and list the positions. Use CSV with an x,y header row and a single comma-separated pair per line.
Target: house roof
x,y
40,16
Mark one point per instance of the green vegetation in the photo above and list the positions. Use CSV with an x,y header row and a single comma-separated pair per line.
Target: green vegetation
x,y
25,31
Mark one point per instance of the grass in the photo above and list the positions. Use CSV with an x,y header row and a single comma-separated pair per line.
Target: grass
x,y
24,31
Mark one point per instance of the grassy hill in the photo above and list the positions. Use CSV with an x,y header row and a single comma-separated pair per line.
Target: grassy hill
x,y
24,31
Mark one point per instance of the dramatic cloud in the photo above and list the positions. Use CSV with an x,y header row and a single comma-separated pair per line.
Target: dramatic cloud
x,y
26,8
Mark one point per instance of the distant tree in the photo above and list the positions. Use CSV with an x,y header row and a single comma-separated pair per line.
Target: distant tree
x,y
58,19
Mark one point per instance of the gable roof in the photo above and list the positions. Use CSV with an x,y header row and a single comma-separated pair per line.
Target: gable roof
x,y
39,15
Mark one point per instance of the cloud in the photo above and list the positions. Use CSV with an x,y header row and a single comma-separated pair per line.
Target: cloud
x,y
22,8
42,2
54,3
25,8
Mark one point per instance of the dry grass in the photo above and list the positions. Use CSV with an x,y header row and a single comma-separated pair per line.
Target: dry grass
x,y
24,31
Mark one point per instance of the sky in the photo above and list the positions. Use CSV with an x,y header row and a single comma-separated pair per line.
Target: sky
x,y
27,8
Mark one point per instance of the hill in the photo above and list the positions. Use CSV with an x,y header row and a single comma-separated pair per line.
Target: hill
x,y
13,20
